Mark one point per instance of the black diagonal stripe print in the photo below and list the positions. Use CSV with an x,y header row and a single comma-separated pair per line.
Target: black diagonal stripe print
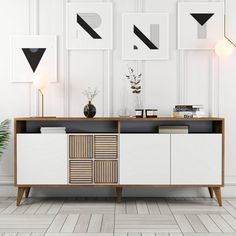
x,y
143,37
87,28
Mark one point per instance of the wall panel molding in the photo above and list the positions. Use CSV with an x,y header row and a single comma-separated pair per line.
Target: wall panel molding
x,y
213,84
34,30
182,82
108,77
65,66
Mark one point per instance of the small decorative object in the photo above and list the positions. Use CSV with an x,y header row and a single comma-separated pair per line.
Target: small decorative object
x,y
125,112
32,55
41,83
145,36
89,25
151,113
139,113
200,24
4,135
90,109
135,80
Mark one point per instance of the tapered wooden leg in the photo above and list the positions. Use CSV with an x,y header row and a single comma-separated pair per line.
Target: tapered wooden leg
x,y
27,191
20,194
119,193
211,192
217,192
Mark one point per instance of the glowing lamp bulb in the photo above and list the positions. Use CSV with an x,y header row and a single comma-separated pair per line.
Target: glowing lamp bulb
x,y
40,82
224,48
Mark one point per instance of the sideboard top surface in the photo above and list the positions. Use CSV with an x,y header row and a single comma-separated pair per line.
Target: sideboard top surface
x,y
116,119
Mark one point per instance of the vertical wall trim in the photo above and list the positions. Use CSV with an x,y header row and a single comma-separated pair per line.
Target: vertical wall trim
x,y
108,78
34,30
182,75
214,78
65,65
213,84
140,64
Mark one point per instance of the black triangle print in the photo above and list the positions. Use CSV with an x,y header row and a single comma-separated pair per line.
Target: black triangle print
x,y
33,56
202,18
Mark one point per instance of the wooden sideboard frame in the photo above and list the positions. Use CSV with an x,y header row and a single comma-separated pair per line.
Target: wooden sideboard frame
x,y
20,126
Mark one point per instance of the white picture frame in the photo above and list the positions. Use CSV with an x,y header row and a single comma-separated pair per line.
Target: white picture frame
x,y
89,26
33,55
138,29
193,35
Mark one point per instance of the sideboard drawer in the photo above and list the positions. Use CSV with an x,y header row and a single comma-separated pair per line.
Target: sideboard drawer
x,y
106,171
42,159
106,146
81,146
80,172
196,159
145,159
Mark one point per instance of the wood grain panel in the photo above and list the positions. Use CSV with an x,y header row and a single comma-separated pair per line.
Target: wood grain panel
x,y
81,146
106,146
81,172
106,171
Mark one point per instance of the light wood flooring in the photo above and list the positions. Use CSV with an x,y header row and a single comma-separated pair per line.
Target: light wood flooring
x,y
105,217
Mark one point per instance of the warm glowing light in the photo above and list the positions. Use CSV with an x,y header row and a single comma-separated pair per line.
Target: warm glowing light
x,y
40,82
224,48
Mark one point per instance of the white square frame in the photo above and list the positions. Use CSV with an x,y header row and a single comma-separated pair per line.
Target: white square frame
x,y
220,5
158,14
91,5
53,43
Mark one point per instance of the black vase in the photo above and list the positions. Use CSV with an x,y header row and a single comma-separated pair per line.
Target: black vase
x,y
89,110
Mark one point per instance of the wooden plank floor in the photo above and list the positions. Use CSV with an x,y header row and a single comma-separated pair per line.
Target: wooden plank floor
x,y
105,217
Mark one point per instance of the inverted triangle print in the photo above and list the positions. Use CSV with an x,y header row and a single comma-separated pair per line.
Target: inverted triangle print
x,y
202,18
33,56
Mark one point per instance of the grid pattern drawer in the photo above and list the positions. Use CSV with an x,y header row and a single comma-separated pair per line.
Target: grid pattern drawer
x,y
106,146
106,171
81,172
81,146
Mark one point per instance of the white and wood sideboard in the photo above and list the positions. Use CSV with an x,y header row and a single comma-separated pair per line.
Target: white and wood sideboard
x,y
118,152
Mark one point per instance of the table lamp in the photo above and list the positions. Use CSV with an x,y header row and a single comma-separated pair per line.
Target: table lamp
x,y
41,82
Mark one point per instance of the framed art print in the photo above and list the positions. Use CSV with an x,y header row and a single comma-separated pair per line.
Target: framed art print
x,y
200,25
89,26
31,55
145,36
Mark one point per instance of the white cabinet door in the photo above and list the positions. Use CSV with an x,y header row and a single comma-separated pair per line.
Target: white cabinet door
x,y
196,159
144,159
42,159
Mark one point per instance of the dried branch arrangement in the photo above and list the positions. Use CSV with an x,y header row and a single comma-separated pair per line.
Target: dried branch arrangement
x,y
91,93
135,80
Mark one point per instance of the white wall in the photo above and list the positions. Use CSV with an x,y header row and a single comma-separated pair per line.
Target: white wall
x,y
197,77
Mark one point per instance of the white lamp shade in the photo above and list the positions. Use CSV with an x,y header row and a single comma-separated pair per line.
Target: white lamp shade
x,y
40,82
224,48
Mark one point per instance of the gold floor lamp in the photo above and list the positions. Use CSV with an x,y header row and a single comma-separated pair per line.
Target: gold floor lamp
x,y
226,46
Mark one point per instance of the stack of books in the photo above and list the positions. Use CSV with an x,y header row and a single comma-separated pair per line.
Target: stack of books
x,y
188,111
164,129
53,130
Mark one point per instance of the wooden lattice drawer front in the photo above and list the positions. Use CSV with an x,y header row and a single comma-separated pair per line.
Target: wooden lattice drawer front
x,y
81,172
106,171
81,146
106,146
